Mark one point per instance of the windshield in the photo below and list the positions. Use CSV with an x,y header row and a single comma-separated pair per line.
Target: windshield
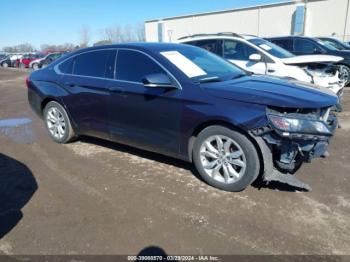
x,y
327,45
335,42
271,48
202,66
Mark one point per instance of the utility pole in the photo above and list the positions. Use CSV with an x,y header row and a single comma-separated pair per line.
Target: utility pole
x,y
346,20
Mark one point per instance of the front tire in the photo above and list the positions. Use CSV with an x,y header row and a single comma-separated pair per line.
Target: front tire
x,y
344,74
58,123
226,159
5,65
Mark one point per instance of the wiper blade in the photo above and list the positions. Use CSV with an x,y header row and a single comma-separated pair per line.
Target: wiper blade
x,y
239,76
209,79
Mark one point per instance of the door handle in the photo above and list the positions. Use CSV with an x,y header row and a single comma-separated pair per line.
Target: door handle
x,y
271,70
70,84
117,90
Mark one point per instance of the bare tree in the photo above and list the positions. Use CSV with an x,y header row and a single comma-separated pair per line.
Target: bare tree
x,y
128,34
113,34
25,47
118,34
57,48
102,42
84,34
140,32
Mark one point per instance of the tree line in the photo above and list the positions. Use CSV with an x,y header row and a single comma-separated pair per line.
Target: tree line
x,y
108,35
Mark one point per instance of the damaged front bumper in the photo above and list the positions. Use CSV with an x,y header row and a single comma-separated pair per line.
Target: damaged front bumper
x,y
326,75
284,152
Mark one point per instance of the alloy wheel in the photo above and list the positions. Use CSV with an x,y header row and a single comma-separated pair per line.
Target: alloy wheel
x,y
56,123
223,159
344,74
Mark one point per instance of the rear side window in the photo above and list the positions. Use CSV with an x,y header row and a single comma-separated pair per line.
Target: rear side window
x,y
212,45
284,43
95,64
134,66
191,43
66,67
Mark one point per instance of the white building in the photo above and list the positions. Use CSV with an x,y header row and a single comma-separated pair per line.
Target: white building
x,y
304,17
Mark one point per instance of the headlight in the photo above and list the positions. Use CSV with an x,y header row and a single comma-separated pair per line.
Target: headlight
x,y
288,125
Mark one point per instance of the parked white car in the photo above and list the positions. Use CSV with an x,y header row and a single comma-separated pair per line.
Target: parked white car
x,y
260,56
35,64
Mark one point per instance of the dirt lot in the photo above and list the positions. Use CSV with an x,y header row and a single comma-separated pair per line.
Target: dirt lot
x,y
96,197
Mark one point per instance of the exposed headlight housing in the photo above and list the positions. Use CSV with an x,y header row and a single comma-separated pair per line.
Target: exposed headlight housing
x,y
287,125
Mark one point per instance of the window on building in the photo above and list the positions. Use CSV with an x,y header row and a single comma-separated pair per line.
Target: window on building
x,y
299,19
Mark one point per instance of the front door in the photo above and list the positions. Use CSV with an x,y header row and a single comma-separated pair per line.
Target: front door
x,y
238,53
146,117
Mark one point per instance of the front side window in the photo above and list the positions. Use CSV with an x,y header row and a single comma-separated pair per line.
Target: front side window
x,y
211,45
94,64
237,50
305,46
133,66
271,48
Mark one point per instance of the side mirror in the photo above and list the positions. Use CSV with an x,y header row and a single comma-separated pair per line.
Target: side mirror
x,y
318,51
158,80
255,57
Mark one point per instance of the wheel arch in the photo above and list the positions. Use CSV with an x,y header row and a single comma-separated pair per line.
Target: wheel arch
x,y
229,125
49,99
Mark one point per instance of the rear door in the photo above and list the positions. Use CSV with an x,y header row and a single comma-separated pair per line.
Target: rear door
x,y
86,77
211,45
285,43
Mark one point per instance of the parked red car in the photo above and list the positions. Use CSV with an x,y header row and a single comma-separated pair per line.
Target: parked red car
x,y
26,59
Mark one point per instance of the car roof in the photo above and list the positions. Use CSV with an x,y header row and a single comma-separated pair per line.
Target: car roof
x,y
292,36
137,45
147,47
216,36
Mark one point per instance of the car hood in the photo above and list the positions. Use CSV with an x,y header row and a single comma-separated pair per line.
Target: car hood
x,y
272,91
343,53
306,59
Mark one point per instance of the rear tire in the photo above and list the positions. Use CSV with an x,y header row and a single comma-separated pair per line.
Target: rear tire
x,y
58,123
35,66
230,165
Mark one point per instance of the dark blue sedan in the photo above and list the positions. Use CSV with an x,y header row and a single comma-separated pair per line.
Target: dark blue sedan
x,y
185,102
